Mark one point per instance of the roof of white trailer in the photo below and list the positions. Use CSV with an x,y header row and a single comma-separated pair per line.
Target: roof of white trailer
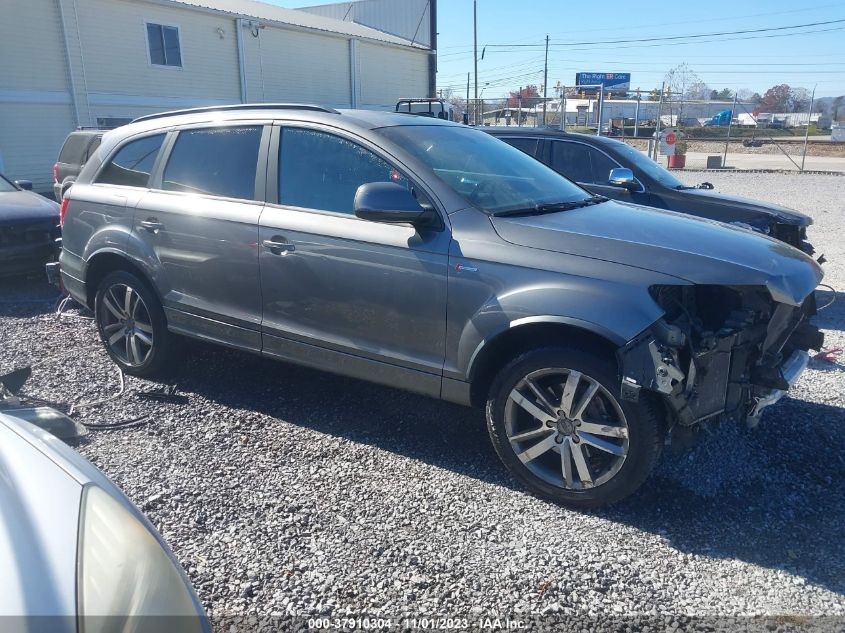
x,y
280,15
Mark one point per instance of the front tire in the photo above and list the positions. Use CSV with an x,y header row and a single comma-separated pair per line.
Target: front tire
x,y
557,423
132,325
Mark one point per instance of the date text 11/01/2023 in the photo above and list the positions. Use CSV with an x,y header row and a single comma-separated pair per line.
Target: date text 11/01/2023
x,y
415,623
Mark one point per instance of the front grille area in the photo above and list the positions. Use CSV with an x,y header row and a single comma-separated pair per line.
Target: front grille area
x,y
23,234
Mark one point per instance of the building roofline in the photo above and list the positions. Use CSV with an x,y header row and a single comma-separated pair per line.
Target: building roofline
x,y
291,18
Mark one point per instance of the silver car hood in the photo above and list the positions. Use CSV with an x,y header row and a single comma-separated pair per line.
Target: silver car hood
x,y
39,516
696,250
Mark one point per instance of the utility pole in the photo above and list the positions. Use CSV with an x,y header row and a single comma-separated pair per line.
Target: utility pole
x,y
466,105
807,132
728,137
519,105
657,127
601,107
475,55
637,116
545,79
563,109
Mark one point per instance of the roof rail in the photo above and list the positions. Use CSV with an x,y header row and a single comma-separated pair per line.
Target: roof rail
x,y
240,106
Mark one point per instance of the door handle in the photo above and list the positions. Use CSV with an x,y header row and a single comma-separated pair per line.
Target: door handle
x,y
152,225
278,247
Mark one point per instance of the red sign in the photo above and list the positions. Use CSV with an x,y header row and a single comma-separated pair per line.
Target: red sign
x,y
671,138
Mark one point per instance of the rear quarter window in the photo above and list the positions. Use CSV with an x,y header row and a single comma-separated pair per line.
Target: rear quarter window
x,y
132,164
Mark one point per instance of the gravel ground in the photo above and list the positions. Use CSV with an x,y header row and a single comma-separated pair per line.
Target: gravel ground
x,y
285,491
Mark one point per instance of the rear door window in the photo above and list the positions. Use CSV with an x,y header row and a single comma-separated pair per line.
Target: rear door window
x,y
214,161
527,145
581,163
323,171
133,163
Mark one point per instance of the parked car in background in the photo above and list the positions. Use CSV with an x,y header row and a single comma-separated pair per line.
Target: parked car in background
x,y
615,169
29,226
78,146
430,256
76,554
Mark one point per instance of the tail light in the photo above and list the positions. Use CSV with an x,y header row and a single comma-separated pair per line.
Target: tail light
x,y
63,211
55,172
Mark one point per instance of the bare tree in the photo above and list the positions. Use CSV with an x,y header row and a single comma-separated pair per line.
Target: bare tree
x,y
748,96
699,91
799,99
836,106
680,81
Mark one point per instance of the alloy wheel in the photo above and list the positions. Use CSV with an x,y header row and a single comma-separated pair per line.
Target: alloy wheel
x,y
126,324
566,428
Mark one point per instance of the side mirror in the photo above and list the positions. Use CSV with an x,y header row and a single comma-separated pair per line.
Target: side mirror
x,y
390,203
623,177
24,184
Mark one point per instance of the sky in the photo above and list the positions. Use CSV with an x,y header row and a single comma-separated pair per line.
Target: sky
x,y
585,37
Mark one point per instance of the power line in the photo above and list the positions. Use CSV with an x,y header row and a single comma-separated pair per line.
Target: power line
x,y
662,24
674,37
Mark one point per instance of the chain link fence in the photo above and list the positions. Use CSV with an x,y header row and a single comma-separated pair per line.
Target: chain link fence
x,y
710,134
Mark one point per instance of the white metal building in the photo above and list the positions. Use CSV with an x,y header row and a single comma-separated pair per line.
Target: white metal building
x,y
70,63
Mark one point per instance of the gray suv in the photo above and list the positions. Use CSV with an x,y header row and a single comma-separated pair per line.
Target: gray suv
x,y
429,256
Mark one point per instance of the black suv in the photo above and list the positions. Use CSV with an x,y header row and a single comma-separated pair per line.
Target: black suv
x,y
616,170
78,146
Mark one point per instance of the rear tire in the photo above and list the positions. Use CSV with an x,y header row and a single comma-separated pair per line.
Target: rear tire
x,y
557,423
132,325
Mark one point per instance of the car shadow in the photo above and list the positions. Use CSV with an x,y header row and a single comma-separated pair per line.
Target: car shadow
x,y
832,313
27,296
771,496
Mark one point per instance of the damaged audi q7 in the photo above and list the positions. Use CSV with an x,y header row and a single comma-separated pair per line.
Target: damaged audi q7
x,y
433,257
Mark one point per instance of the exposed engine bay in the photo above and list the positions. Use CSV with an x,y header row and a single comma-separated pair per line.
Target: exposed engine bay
x,y
719,352
793,234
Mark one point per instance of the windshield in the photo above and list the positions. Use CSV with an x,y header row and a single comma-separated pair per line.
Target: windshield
x,y
490,174
6,186
648,166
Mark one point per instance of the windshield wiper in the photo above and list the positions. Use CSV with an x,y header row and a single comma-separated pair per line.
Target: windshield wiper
x,y
552,207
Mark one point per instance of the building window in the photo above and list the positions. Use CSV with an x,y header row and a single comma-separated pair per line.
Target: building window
x,y
163,43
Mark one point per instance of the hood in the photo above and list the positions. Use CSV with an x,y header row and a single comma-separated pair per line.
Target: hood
x,y
39,514
693,249
25,206
775,211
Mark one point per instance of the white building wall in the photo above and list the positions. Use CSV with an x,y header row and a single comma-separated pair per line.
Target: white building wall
x,y
297,66
388,74
36,111
117,66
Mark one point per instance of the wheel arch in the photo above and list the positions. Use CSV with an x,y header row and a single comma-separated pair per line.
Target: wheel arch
x,y
533,333
104,262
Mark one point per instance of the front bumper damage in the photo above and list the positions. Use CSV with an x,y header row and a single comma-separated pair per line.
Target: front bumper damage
x,y
721,353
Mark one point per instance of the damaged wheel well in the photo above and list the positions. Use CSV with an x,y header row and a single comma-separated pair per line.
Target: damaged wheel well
x,y
511,343
101,265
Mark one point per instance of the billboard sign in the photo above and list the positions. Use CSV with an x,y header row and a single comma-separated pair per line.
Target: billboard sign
x,y
613,82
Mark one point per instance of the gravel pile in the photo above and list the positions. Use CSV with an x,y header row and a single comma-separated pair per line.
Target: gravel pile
x,y
285,491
